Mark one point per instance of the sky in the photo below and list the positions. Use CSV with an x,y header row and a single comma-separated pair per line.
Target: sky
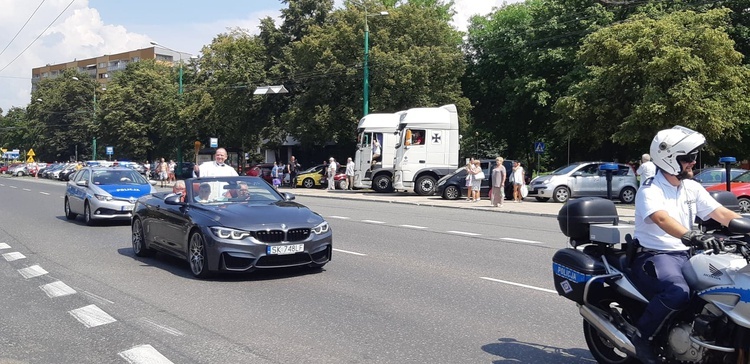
x,y
34,33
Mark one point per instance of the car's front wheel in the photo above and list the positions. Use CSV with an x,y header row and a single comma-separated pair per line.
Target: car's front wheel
x,y
139,240
561,194
308,183
197,256
342,185
87,214
451,193
744,203
627,195
69,214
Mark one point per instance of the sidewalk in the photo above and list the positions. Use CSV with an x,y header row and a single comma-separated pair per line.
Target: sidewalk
x,y
528,207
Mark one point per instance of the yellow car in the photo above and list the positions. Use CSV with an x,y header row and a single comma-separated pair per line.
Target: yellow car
x,y
312,177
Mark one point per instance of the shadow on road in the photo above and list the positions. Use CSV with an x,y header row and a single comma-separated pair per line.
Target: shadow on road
x,y
511,350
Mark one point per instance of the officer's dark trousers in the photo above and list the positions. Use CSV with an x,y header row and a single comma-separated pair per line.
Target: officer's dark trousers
x,y
659,277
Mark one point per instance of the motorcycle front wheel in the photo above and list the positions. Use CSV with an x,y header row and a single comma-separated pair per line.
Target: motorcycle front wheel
x,y
602,349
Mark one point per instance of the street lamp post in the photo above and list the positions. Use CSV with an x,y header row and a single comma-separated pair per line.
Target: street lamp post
x,y
93,120
366,67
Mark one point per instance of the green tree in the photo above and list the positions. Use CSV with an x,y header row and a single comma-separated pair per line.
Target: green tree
x,y
648,74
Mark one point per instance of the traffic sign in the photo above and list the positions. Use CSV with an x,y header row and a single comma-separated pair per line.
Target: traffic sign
x,y
31,153
214,142
110,150
539,147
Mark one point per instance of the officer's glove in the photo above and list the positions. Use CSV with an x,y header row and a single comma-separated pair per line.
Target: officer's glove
x,y
702,241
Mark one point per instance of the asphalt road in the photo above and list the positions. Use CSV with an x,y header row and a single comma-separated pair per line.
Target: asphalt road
x,y
407,284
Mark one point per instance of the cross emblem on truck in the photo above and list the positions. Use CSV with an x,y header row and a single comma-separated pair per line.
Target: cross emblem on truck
x,y
436,138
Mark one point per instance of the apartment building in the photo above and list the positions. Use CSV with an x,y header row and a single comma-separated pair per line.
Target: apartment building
x,y
102,67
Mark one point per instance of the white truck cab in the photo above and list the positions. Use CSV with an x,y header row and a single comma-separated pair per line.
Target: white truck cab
x,y
377,135
427,148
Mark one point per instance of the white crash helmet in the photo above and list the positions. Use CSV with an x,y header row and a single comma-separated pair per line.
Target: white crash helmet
x,y
670,144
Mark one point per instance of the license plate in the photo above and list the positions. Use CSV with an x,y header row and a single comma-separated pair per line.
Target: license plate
x,y
285,249
127,208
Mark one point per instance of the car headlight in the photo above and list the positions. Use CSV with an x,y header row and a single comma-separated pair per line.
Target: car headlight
x,y
227,233
103,197
321,228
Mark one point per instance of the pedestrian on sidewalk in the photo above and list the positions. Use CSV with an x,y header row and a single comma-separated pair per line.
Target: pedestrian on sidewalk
x,y
498,183
350,173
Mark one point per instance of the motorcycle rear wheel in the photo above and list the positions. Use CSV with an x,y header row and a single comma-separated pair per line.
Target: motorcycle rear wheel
x,y
602,349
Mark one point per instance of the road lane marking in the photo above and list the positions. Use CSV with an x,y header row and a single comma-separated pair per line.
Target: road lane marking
x,y
144,354
373,222
92,316
13,256
519,285
12,186
413,226
44,193
33,271
348,252
26,189
463,233
339,217
166,329
98,298
57,289
4,246
521,241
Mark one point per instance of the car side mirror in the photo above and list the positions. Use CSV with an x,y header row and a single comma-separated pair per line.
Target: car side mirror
x,y
82,183
173,199
288,196
577,174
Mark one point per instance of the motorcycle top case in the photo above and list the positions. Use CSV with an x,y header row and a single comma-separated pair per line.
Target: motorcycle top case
x,y
576,215
571,270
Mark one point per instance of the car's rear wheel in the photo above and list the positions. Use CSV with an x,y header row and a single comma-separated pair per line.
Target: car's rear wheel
x,y
382,183
542,199
451,193
197,256
87,214
308,183
139,240
627,195
19,174
561,194
69,214
342,185
744,203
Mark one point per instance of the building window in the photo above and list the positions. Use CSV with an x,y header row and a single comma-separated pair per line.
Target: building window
x,y
103,65
136,59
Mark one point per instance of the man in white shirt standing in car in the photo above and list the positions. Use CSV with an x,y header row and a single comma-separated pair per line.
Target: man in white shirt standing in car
x,y
216,167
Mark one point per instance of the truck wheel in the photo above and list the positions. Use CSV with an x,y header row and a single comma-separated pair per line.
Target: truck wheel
x,y
382,183
425,186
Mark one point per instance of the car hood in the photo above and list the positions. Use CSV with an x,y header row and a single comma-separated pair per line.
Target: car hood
x,y
253,216
126,191
541,179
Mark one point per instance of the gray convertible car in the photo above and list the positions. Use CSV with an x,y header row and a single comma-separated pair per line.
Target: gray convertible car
x,y
231,224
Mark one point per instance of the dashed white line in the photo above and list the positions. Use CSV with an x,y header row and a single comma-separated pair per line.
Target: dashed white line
x,y
44,193
348,252
98,298
413,226
13,256
521,241
519,284
463,233
4,246
92,316
57,289
12,186
33,271
144,354
26,189
373,222
339,217
166,329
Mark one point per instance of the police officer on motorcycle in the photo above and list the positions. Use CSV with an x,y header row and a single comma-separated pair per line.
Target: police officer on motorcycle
x,y
665,207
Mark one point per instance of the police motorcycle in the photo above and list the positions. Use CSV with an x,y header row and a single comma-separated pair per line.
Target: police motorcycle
x,y
593,272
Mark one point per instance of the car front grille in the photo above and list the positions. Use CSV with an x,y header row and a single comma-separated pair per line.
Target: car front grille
x,y
277,236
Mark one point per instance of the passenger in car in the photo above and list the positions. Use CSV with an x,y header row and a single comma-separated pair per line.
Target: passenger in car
x,y
179,188
204,192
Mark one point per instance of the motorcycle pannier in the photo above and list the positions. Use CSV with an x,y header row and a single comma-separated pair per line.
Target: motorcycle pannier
x,y
571,270
576,216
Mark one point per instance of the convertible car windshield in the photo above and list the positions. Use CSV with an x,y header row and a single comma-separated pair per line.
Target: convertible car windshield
x,y
103,177
231,190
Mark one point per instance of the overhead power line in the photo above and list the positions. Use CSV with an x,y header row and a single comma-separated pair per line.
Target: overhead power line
x,y
23,26
39,36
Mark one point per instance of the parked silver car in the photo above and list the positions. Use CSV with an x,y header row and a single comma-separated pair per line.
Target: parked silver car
x,y
584,179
